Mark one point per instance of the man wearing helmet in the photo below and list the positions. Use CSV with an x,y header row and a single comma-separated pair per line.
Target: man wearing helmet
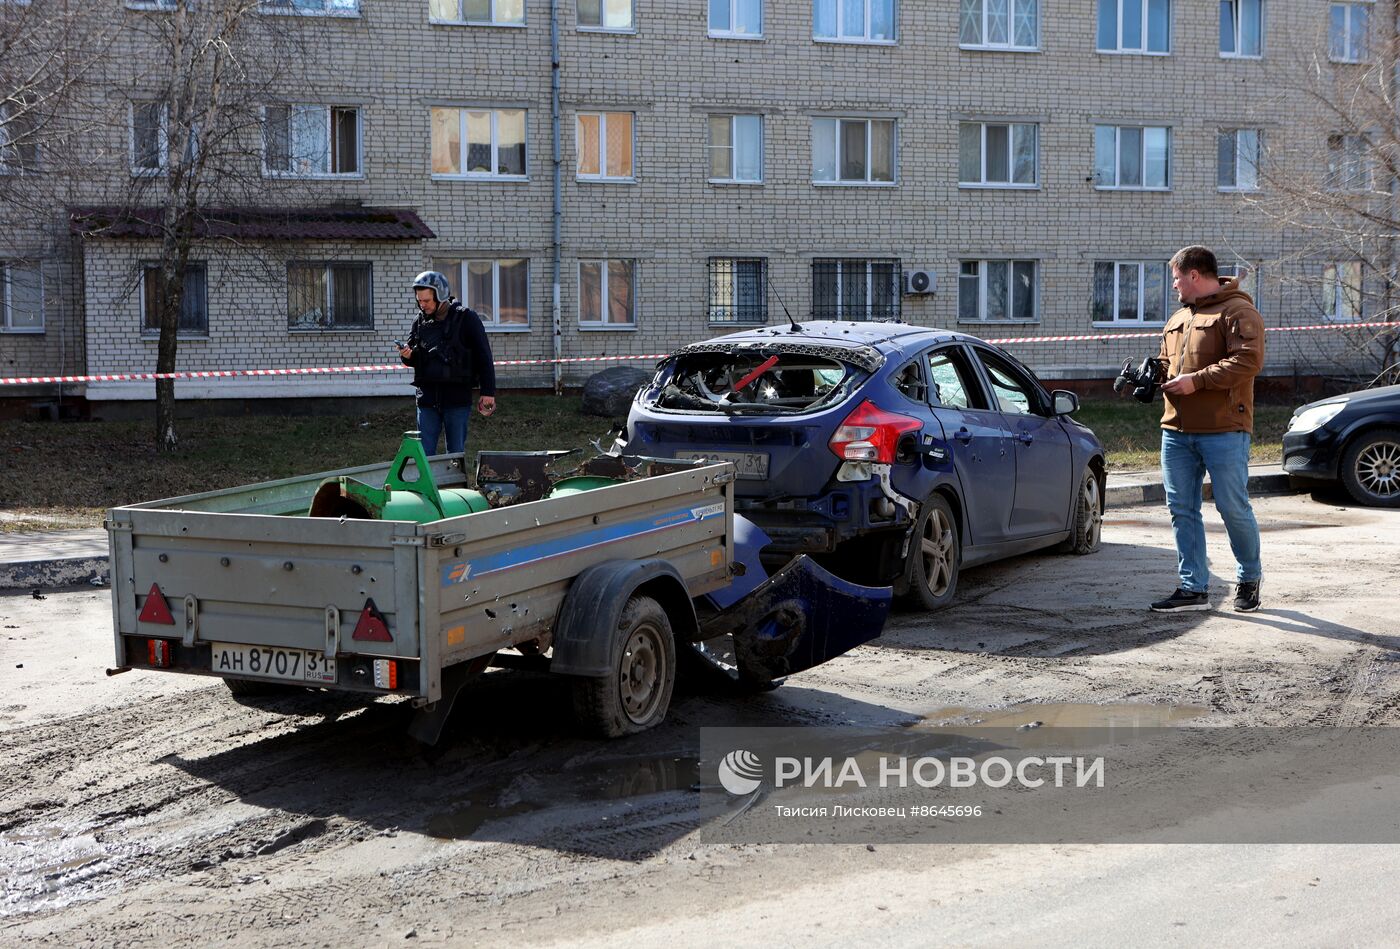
x,y
450,355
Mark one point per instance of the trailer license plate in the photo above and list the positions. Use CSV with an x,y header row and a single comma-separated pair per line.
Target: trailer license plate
x,y
748,465
268,662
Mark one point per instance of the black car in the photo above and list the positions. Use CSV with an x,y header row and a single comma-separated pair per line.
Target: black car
x,y
1354,438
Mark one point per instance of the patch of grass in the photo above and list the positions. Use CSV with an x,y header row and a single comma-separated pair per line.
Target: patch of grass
x,y
66,474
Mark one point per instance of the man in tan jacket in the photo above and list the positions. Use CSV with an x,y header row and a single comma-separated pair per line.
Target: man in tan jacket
x,y
1213,347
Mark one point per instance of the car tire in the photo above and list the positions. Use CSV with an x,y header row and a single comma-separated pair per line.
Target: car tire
x,y
637,693
713,663
1370,468
1086,530
931,569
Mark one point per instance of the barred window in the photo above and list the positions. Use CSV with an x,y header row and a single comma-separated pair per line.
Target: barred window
x,y
737,288
194,302
325,296
856,289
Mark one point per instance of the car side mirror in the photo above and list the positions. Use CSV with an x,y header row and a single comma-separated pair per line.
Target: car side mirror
x,y
1064,402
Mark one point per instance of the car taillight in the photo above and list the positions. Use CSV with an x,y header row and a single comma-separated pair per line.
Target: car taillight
x,y
871,434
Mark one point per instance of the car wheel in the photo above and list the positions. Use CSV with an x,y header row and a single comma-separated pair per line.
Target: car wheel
x,y
637,693
715,662
1087,529
931,570
1370,468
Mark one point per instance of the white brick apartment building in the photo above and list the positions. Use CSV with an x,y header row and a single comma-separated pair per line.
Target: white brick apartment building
x,y
719,158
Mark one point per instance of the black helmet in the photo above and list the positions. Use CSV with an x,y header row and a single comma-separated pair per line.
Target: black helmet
x,y
434,281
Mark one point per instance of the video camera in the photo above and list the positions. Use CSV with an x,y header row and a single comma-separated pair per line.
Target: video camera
x,y
1146,379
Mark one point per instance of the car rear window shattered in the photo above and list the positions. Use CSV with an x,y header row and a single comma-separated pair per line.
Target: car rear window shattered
x,y
753,383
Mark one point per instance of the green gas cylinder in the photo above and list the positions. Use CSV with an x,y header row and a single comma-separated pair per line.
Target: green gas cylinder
x,y
418,500
566,487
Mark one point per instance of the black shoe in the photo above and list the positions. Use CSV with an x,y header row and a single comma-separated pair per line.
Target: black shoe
x,y
1247,596
1184,601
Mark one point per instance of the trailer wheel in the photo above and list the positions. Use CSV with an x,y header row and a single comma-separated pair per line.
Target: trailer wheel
x,y
252,688
637,693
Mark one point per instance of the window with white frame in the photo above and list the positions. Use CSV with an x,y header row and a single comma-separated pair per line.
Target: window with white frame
x,y
999,24
18,150
148,138
498,289
1237,159
152,4
853,151
604,141
1347,32
1135,26
854,21
478,12
1132,157
313,7
311,141
478,143
997,154
22,285
737,290
1242,28
1247,272
605,15
1349,163
992,291
846,288
1131,291
736,19
329,296
1341,290
736,149
194,300
607,294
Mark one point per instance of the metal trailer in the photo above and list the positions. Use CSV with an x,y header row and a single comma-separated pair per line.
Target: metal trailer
x,y
601,585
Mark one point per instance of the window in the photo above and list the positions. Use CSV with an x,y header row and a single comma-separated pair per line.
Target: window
x,y
1237,159
194,302
605,14
737,290
22,286
853,151
736,19
1242,28
329,296
478,143
1347,32
999,24
478,12
606,297
152,4
18,150
1134,26
1014,394
313,7
498,290
1248,274
955,383
604,141
1127,156
1349,166
854,21
992,291
1132,291
148,138
995,154
856,289
736,148
1341,291
311,141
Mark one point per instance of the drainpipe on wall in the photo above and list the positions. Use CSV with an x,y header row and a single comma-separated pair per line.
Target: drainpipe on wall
x,y
558,191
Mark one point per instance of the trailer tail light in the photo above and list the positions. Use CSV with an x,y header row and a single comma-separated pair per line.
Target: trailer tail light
x,y
871,434
159,653
386,674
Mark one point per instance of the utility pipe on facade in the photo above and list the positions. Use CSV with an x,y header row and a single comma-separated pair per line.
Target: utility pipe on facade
x,y
558,210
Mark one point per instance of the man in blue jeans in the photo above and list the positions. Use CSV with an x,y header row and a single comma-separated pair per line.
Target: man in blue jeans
x,y
1213,347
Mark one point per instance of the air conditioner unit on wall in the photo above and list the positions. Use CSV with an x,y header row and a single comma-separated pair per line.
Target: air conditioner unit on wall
x,y
920,281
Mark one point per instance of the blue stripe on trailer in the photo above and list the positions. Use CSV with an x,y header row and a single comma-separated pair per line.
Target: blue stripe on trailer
x,y
460,571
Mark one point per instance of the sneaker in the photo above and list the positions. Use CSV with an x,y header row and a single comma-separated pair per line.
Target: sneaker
x,y
1247,596
1183,601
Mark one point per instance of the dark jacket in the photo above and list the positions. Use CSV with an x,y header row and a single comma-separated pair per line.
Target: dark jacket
x,y
450,357
1219,340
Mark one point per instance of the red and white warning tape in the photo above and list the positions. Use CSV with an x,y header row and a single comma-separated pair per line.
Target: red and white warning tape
x,y
394,367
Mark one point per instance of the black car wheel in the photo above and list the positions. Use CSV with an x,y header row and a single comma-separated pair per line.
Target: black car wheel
x,y
1087,529
931,571
1370,468
636,695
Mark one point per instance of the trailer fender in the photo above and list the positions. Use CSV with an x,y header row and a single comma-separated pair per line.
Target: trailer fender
x,y
594,604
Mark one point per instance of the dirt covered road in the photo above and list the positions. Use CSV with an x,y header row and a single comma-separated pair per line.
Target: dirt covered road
x,y
149,810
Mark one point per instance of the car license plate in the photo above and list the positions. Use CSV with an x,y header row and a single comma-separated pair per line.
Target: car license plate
x,y
748,465
269,662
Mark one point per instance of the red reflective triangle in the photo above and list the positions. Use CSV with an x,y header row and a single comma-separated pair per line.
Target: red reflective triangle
x,y
156,610
372,627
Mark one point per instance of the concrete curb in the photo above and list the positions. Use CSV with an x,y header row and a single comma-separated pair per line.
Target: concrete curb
x,y
1152,492
37,574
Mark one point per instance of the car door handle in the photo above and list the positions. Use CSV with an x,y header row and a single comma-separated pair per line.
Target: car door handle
x,y
963,435
1025,438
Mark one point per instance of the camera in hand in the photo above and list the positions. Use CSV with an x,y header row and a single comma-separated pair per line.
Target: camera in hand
x,y
1145,380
